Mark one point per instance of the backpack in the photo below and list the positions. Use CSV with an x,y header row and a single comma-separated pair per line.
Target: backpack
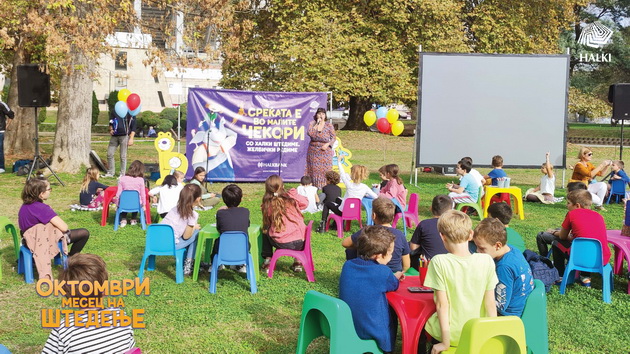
x,y
542,268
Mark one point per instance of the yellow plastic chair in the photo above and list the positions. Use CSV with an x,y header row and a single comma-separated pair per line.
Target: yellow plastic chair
x,y
492,335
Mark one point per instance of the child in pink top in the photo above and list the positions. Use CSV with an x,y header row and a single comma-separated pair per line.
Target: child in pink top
x,y
283,223
394,187
133,180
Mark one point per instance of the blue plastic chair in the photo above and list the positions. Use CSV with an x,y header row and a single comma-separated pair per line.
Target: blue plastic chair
x,y
25,262
586,256
618,189
402,211
233,250
160,241
129,201
367,205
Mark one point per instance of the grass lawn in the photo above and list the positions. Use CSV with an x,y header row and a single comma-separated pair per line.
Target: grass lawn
x,y
186,318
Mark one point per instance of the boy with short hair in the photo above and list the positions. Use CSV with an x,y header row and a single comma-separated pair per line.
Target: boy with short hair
x,y
308,190
426,239
468,189
515,276
503,213
363,284
231,217
464,283
474,172
580,221
76,338
497,171
383,210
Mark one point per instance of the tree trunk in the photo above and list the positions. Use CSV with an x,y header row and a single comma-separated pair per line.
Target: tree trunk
x,y
358,107
19,137
72,139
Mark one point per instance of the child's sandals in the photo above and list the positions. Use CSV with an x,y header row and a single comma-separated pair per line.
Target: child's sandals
x,y
586,282
297,267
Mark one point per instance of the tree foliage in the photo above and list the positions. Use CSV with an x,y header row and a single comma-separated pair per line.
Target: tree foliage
x,y
587,105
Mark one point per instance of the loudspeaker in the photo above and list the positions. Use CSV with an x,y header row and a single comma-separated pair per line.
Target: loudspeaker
x,y
33,86
619,95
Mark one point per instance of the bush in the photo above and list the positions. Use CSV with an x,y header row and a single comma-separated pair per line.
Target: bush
x,y
111,100
41,115
146,119
95,110
171,114
164,125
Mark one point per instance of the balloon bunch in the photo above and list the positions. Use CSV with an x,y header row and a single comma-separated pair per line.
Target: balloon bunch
x,y
386,120
127,103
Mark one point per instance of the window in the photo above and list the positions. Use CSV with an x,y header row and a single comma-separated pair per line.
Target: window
x,y
121,61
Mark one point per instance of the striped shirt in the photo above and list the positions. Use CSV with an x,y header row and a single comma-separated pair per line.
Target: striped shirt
x,y
72,339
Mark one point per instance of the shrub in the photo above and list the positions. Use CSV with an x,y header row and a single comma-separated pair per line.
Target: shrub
x,y
41,115
111,100
95,110
164,125
171,114
146,119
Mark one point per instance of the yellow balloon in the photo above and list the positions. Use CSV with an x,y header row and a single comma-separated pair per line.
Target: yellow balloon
x,y
369,118
397,128
123,94
392,116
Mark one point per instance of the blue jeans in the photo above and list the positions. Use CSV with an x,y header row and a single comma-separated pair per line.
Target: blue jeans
x,y
2,150
191,243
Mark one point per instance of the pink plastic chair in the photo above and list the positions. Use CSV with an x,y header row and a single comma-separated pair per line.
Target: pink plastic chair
x,y
411,214
351,211
305,256
622,250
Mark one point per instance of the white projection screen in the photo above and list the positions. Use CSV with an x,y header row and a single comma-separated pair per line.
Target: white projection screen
x,y
481,105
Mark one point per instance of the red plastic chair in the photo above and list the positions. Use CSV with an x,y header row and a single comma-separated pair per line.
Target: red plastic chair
x,y
501,197
351,211
305,256
411,214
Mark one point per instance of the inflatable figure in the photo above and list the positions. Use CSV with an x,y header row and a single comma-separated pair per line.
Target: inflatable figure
x,y
169,161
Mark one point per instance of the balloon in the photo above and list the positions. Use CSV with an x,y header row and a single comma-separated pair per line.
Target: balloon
x,y
381,112
392,115
133,101
121,109
136,111
397,128
383,125
369,118
123,94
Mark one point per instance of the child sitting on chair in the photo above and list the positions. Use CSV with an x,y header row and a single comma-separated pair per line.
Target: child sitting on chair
x,y
468,189
394,189
503,213
308,190
383,210
618,173
231,217
330,193
363,284
426,241
515,276
464,283
497,172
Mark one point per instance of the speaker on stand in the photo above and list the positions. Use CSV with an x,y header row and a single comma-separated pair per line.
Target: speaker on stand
x,y
34,91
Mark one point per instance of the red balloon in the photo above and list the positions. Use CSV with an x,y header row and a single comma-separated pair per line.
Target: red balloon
x,y
382,124
133,101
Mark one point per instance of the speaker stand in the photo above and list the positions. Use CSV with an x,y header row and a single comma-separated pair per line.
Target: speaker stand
x,y
621,141
38,158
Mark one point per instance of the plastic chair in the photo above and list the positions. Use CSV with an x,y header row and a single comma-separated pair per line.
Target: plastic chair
x,y
367,204
477,206
305,256
25,262
586,255
351,211
618,189
535,320
411,214
160,241
233,250
494,335
621,245
8,226
324,315
129,201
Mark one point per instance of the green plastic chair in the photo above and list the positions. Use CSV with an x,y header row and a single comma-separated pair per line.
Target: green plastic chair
x,y
324,315
535,320
477,206
494,335
8,226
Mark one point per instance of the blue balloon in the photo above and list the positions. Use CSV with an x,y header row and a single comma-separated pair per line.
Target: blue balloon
x,y
136,111
121,109
381,112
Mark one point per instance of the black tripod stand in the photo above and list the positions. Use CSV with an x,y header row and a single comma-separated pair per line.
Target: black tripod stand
x,y
38,158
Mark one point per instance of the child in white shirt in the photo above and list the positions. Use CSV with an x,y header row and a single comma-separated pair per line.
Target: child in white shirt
x,y
544,192
310,192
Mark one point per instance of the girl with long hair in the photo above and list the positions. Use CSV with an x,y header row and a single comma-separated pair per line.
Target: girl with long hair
x,y
91,194
132,180
394,187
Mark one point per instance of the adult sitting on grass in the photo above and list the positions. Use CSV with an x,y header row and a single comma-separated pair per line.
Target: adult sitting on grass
x,y
42,228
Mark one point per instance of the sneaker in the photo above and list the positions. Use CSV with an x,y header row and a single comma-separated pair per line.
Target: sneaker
x,y
239,268
123,223
586,282
207,208
297,267
134,222
188,265
107,175
2,170
320,228
600,208
205,266
221,267
266,264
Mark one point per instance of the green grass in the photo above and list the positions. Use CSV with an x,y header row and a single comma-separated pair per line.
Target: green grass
x,y
596,130
186,318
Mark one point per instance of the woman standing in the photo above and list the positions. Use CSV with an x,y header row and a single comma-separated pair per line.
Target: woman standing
x,y
584,171
320,153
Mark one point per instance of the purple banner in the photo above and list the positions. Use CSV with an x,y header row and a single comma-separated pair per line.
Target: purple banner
x,y
248,136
